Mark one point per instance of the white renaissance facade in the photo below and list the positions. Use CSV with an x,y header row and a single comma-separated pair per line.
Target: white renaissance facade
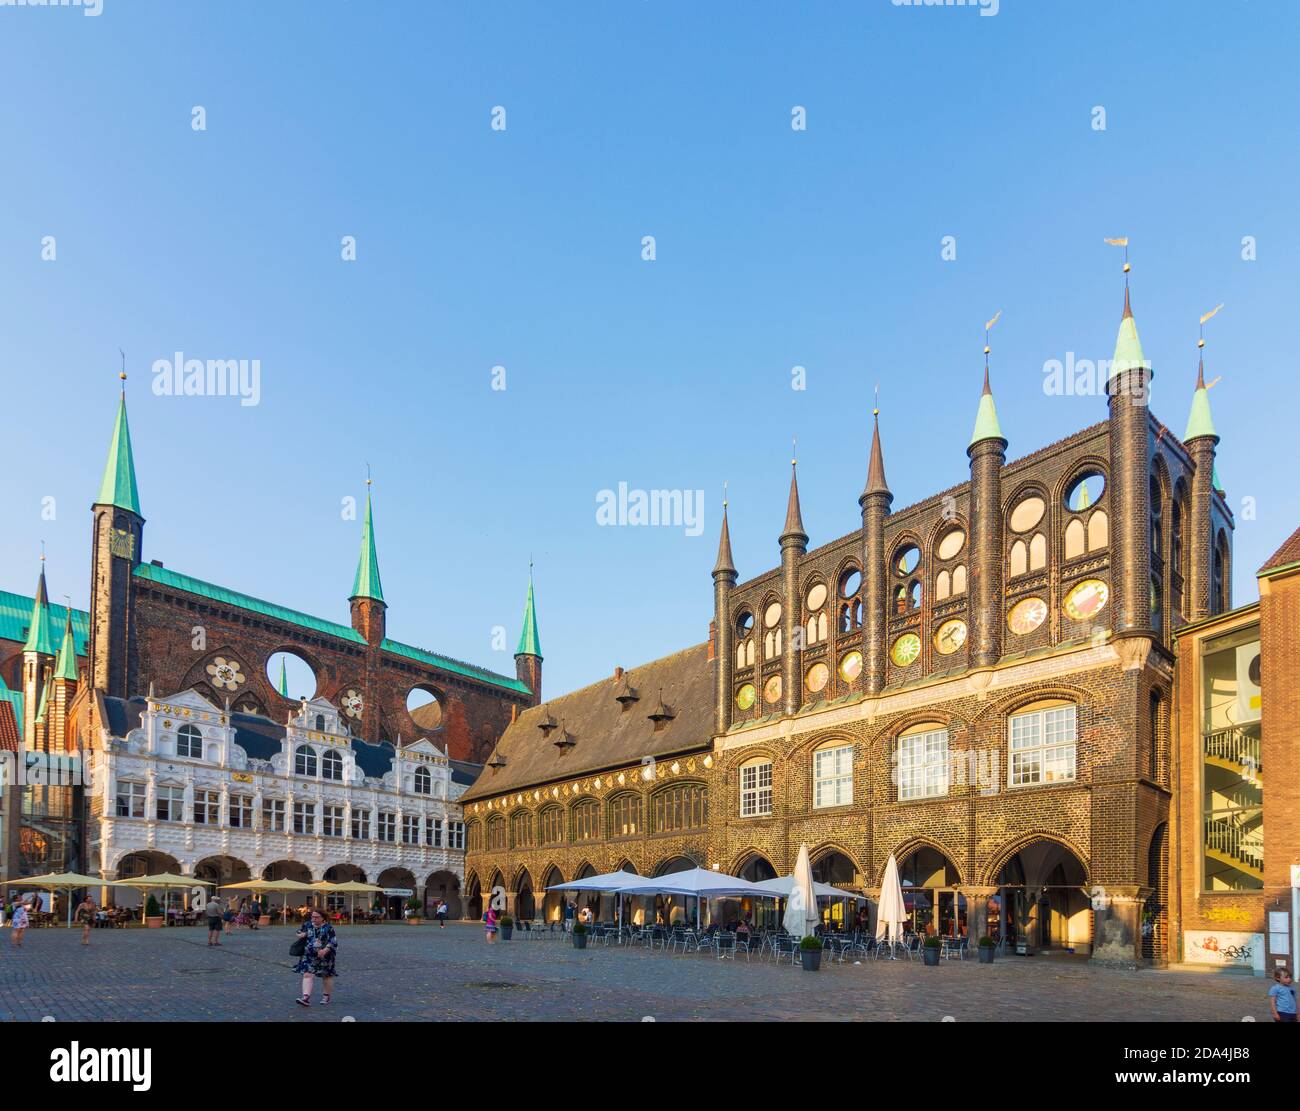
x,y
235,798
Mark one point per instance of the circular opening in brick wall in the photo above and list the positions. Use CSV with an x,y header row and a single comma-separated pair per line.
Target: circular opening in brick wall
x,y
1084,491
291,676
425,707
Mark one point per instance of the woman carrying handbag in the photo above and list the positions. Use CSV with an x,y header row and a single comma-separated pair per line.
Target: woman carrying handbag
x,y
315,947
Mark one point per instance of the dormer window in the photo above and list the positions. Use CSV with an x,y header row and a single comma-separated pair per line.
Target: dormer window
x,y
626,694
662,714
565,740
497,761
547,723
189,742
320,723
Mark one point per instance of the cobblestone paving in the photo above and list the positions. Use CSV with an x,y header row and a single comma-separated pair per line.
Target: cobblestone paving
x,y
421,973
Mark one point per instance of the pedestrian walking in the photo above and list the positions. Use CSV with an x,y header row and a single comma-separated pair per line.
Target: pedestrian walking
x,y
214,911
20,925
85,914
1281,996
440,912
569,911
320,946
490,924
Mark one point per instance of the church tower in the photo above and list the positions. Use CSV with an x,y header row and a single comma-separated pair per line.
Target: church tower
x,y
794,545
528,653
988,455
1202,443
117,535
38,665
875,501
367,598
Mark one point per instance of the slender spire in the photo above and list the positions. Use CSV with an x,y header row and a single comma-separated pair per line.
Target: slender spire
x,y
366,584
40,637
283,685
987,426
65,667
118,484
530,643
1200,422
1128,347
793,518
876,483
725,564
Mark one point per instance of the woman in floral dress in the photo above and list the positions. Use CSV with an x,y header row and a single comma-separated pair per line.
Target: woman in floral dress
x,y
318,958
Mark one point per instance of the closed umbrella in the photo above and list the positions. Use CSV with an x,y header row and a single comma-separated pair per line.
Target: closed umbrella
x,y
801,917
892,914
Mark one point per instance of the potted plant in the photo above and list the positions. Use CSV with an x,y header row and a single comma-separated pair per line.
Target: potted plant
x,y
932,945
579,936
414,912
507,925
810,953
987,948
153,915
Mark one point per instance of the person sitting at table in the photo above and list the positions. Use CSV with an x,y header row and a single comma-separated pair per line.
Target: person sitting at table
x,y
744,929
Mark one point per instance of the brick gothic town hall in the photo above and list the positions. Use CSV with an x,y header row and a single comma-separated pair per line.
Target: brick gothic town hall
x,y
985,684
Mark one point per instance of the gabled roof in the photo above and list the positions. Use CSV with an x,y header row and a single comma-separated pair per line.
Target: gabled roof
x,y
1286,555
605,734
16,613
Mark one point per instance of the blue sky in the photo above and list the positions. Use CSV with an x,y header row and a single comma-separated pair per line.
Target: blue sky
x,y
522,248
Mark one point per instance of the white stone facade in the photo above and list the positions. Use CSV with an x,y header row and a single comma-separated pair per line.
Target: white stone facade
x,y
182,785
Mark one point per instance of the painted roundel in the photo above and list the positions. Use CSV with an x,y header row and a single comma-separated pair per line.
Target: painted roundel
x,y
746,696
850,666
225,674
1087,599
1026,615
817,677
353,704
772,689
949,637
905,649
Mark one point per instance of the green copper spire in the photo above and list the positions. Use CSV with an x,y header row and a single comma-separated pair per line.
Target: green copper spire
x,y
118,487
529,642
65,667
986,417
1128,348
40,708
40,637
366,584
1199,422
1217,484
283,685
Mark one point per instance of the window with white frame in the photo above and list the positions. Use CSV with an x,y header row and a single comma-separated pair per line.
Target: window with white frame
x,y
423,781
331,765
304,817
923,764
360,824
455,835
756,789
332,821
169,804
410,829
304,761
1043,744
433,830
387,826
833,776
189,742
273,815
241,812
130,799
207,808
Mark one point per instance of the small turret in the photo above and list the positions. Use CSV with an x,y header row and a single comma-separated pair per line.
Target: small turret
x,y
528,653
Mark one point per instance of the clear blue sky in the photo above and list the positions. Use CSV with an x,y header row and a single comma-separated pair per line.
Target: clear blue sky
x,y
522,248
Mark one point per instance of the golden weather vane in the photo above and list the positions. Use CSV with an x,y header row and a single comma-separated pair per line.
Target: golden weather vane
x,y
1122,241
988,327
1200,342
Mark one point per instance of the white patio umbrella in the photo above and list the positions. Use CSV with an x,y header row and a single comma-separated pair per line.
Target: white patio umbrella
x,y
801,916
779,887
703,883
891,915
614,882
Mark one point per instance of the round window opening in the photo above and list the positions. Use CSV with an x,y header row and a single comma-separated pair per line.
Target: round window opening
x,y
816,597
291,676
425,708
744,623
906,559
850,582
1084,491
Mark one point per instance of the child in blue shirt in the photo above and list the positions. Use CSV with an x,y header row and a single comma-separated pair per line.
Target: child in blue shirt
x,y
1281,996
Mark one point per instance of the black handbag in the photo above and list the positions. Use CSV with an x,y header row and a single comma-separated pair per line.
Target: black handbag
x,y
298,948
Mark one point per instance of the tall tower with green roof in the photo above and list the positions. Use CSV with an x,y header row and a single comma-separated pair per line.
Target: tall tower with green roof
x,y
38,661
367,597
1201,442
528,653
987,452
117,538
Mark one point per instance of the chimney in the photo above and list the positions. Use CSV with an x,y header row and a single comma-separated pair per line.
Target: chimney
x,y
618,673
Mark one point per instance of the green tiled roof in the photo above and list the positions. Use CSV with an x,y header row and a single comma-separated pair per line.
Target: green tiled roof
x,y
65,667
118,485
16,616
45,701
530,643
986,421
457,667
366,584
1200,423
164,577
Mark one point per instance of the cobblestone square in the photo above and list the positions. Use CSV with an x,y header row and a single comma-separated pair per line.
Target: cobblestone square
x,y
409,973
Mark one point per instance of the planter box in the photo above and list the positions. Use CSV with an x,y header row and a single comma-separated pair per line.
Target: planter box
x,y
579,941
506,932
154,923
811,959
986,954
931,957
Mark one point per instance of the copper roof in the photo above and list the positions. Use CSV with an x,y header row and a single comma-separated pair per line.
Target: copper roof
x,y
606,734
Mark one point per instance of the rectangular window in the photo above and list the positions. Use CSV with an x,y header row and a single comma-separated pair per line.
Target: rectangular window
x,y
1043,746
241,812
455,835
410,829
332,821
170,804
833,776
273,815
387,826
207,808
586,822
433,831
130,800
304,818
685,807
1232,771
923,765
360,825
756,790
625,816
